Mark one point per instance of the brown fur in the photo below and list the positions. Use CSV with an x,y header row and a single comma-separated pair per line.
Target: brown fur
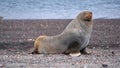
x,y
37,44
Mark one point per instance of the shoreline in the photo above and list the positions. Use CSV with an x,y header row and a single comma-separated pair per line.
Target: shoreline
x,y
59,19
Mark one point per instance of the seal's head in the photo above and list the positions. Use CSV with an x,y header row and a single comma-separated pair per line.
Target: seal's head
x,y
85,16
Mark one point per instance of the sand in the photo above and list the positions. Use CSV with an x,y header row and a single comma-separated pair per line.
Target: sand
x,y
17,38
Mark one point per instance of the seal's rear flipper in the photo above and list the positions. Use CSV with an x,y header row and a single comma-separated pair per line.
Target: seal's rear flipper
x,y
34,52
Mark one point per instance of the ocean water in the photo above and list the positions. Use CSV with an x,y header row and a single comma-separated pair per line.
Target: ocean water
x,y
58,9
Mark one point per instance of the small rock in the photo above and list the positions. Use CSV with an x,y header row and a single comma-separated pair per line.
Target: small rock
x,y
73,64
85,66
118,37
107,47
1,65
104,65
94,58
93,48
117,42
113,52
30,39
20,40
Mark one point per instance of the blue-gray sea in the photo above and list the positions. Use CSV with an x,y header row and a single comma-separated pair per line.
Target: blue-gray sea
x,y
58,9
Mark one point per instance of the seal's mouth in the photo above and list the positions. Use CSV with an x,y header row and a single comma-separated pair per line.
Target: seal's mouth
x,y
88,16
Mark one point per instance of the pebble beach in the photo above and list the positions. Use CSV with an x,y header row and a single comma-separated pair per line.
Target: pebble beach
x,y
17,38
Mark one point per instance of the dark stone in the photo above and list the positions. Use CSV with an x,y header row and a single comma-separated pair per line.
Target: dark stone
x,y
104,65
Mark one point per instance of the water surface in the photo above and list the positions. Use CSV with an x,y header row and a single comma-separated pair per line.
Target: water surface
x,y
58,9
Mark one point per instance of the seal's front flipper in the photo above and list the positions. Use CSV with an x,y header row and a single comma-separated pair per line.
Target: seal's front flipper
x,y
84,52
75,54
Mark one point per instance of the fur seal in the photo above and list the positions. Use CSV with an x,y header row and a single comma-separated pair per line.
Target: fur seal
x,y
73,40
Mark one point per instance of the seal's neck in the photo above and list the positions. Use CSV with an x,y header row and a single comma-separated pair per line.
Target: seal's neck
x,y
86,25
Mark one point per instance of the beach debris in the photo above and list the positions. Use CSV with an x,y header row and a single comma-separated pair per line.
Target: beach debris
x,y
1,65
30,39
113,52
105,65
20,40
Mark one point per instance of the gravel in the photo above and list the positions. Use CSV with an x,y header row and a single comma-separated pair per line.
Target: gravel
x,y
17,38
